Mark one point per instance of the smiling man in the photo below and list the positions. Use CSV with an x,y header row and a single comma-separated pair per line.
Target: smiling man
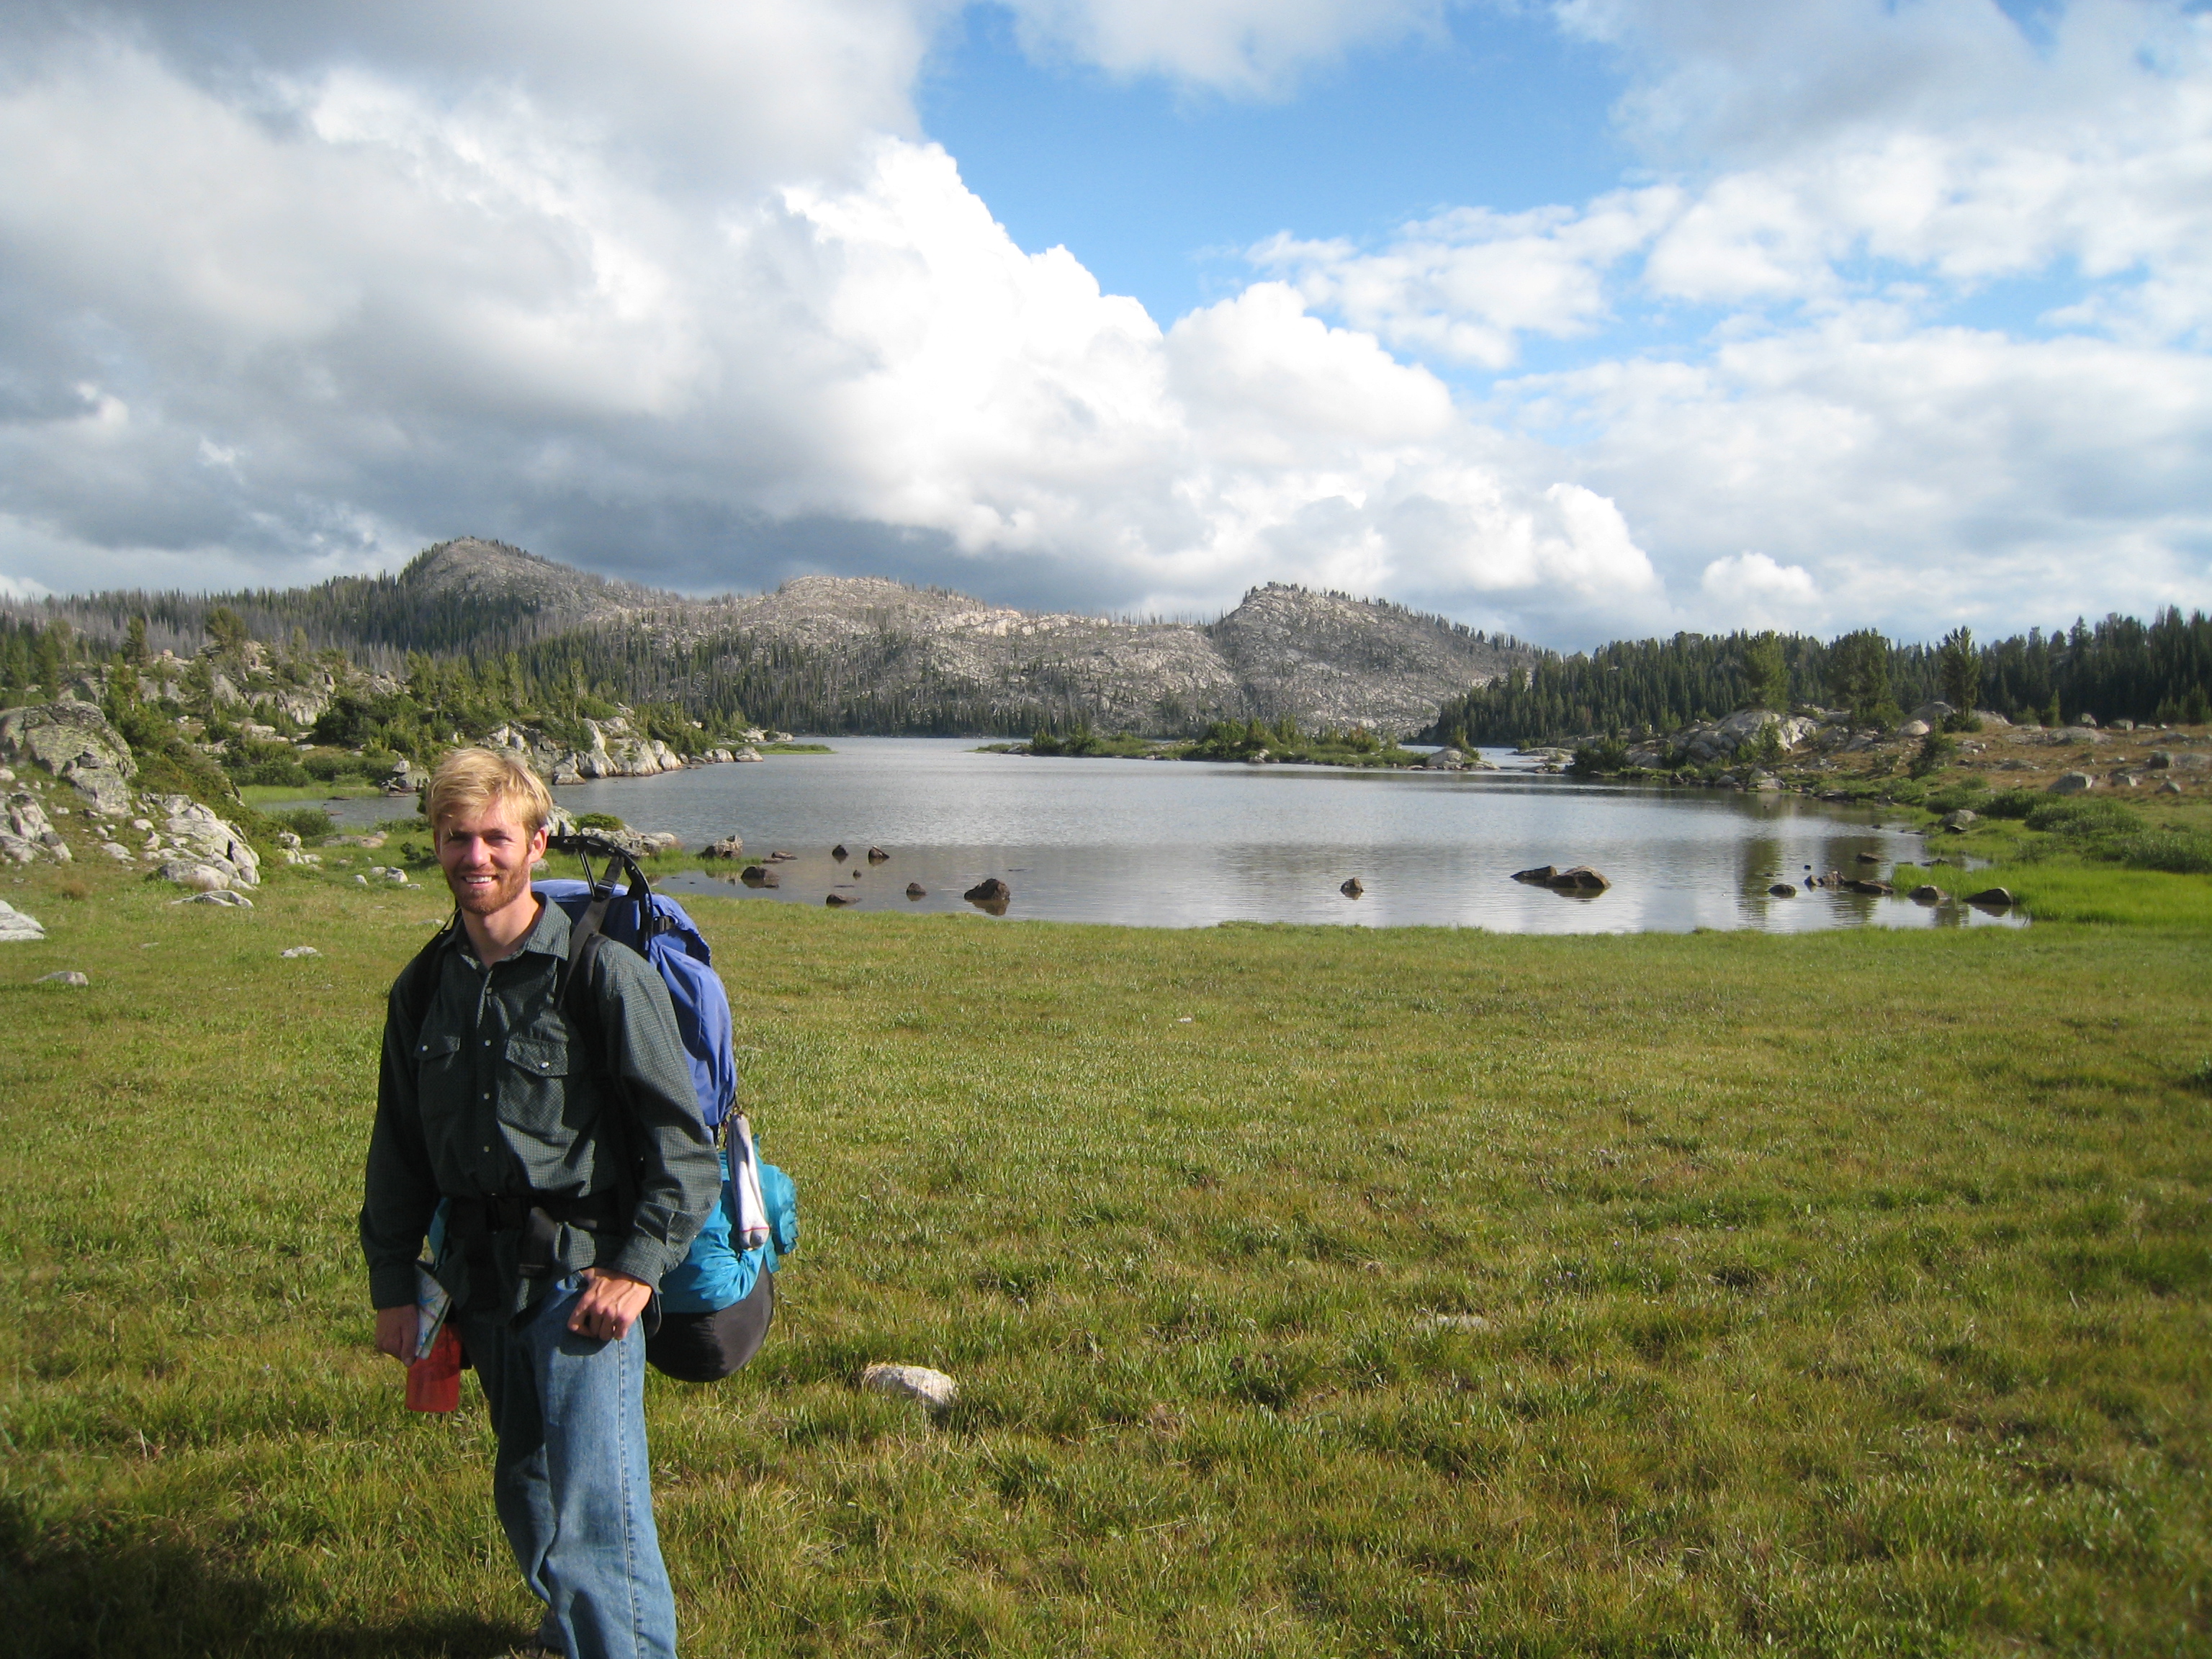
x,y
558,1126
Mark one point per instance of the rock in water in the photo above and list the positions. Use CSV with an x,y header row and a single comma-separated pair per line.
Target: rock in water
x,y
1580,879
66,976
1996,898
729,847
17,925
1781,889
1350,888
754,875
839,853
933,1388
1926,893
877,855
989,891
916,890
1870,857
1540,876
840,899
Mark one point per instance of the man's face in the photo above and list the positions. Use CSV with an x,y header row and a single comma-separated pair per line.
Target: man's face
x,y
487,855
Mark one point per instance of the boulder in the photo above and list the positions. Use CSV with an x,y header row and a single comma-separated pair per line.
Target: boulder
x,y
201,837
1995,898
1992,720
915,890
65,976
1870,857
1926,893
781,857
1539,877
877,855
1579,879
1445,760
221,896
754,875
933,1388
747,753
1877,889
1964,818
117,850
840,853
2169,788
989,891
188,872
729,847
1930,715
1914,729
72,740
840,899
293,953
2071,783
1350,887
18,926
1781,889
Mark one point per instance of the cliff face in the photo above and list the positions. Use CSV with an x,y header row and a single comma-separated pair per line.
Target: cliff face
x,y
862,653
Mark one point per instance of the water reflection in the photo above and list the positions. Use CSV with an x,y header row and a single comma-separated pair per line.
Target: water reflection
x,y
1188,845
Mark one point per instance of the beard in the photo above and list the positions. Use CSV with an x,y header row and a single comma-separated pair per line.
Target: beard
x,y
505,887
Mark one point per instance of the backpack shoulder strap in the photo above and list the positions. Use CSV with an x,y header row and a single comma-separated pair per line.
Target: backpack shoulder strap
x,y
417,984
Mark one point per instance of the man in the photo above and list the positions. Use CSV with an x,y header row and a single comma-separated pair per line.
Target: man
x,y
561,1128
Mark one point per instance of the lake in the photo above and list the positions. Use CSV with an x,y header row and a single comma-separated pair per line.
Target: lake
x,y
1186,844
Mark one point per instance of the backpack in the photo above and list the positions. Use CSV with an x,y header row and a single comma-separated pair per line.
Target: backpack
x,y
715,1306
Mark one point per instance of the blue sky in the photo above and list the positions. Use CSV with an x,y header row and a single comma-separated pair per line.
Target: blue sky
x,y
1578,319
1158,187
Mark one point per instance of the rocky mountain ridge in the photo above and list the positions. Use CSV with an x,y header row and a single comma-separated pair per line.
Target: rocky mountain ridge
x,y
845,654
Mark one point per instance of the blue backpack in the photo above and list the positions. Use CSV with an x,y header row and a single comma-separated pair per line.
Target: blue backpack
x,y
715,1305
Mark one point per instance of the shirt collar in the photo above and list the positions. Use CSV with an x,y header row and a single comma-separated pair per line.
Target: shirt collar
x,y
548,938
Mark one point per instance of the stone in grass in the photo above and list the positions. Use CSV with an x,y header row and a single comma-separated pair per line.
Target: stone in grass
x,y
2071,783
933,1388
292,951
1459,1321
66,976
221,896
18,925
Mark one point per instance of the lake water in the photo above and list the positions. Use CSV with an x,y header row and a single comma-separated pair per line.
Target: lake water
x,y
1183,844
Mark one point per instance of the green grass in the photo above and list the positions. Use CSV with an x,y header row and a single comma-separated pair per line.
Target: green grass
x,y
1839,1294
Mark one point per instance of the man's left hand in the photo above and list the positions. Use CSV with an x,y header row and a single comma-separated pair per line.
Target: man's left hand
x,y
609,1305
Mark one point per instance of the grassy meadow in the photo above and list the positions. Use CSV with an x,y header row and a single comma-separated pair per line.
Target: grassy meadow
x,y
1311,1291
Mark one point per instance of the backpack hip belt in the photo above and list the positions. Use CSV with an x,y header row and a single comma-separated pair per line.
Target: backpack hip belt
x,y
537,1216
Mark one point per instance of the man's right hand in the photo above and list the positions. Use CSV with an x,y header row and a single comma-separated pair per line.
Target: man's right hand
x,y
395,1333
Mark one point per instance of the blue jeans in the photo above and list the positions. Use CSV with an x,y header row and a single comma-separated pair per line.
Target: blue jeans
x,y
571,1483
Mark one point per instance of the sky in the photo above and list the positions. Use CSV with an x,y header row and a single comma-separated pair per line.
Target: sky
x,y
1575,319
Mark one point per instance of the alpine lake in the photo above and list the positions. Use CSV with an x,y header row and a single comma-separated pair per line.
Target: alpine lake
x,y
1188,844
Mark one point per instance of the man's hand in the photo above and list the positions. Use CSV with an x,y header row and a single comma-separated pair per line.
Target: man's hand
x,y
395,1333
609,1305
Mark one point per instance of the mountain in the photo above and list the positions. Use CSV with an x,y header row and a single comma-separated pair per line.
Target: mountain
x,y
828,653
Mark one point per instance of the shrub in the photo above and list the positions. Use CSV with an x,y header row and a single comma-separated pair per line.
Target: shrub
x,y
2013,803
2083,818
1934,753
1596,759
599,821
2180,851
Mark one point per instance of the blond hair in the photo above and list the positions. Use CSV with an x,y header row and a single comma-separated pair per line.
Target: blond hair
x,y
469,780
